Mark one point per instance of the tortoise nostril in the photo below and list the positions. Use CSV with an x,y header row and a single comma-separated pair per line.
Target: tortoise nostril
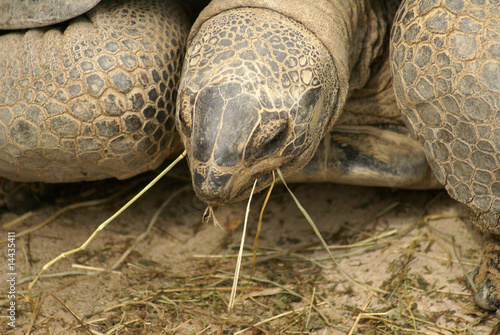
x,y
212,187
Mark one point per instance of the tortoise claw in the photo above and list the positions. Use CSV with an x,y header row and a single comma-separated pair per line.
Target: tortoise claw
x,y
487,277
487,296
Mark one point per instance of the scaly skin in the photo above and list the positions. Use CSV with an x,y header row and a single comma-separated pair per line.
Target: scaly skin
x,y
259,89
31,14
93,101
241,99
262,84
445,58
448,89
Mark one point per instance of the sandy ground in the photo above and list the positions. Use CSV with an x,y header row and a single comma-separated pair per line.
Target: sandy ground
x,y
399,272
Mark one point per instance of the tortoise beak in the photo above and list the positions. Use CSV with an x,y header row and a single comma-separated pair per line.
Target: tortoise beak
x,y
217,189
212,188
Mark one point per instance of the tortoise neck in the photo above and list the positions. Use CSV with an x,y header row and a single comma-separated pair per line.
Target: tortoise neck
x,y
368,38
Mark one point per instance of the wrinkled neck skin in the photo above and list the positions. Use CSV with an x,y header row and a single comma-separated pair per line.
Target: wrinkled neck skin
x,y
260,87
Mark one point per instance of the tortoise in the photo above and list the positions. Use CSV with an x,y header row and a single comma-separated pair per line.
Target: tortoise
x,y
382,93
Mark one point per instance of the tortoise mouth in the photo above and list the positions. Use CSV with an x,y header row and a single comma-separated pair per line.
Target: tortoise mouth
x,y
217,187
219,195
264,180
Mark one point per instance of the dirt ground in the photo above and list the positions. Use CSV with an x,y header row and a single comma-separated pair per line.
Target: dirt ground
x,y
401,259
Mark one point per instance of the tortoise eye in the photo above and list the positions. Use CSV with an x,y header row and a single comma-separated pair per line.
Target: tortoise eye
x,y
185,113
270,139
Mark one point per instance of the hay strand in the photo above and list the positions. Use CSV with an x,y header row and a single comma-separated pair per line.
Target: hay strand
x,y
105,223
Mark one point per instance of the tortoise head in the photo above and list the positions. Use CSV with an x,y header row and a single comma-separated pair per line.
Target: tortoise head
x,y
256,94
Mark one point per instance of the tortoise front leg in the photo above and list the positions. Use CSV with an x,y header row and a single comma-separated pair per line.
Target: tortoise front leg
x,y
446,72
487,276
383,156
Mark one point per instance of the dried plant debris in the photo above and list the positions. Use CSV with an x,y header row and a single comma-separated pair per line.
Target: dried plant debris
x,y
158,270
